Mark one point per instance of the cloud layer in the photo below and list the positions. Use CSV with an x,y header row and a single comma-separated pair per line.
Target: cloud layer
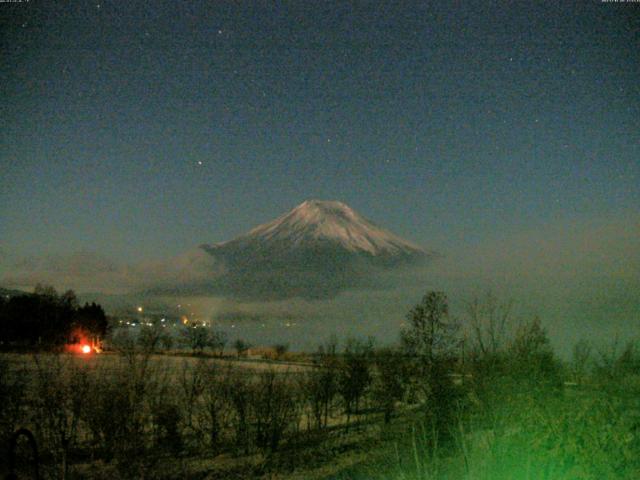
x,y
90,272
583,279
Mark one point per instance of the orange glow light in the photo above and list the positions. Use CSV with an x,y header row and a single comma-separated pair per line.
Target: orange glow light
x,y
86,349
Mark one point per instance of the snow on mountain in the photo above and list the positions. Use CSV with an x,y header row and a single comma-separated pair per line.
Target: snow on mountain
x,y
314,251
316,222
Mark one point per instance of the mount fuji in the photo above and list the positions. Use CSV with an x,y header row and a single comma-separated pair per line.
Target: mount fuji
x,y
314,251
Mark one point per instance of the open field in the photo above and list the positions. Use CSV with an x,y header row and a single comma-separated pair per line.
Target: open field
x,y
177,415
170,360
168,416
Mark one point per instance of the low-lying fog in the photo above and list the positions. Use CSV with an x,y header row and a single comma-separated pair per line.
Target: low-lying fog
x,y
583,280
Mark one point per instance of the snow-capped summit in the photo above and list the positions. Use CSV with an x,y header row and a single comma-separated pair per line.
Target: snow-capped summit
x,y
316,250
318,222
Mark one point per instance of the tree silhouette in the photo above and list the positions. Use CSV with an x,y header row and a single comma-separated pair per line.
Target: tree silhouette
x,y
432,342
47,320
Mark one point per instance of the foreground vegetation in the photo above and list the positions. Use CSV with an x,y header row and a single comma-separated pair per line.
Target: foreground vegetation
x,y
486,401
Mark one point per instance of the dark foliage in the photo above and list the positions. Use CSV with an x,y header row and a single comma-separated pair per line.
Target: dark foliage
x,y
432,342
46,319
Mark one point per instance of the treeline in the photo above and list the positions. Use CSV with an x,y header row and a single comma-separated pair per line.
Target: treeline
x,y
46,319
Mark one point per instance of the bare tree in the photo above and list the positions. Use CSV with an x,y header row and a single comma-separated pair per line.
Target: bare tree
x,y
61,390
45,290
150,337
490,329
280,350
615,360
432,342
192,385
196,337
165,411
355,374
531,358
241,347
432,333
390,380
237,393
121,405
218,340
489,321
214,413
124,342
321,383
275,409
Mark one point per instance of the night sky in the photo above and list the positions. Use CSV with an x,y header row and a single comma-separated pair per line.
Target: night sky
x,y
510,131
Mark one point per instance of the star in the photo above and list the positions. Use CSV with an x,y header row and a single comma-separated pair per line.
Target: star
x,y
199,162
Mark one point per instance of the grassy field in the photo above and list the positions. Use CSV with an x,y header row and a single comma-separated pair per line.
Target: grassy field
x,y
168,416
114,415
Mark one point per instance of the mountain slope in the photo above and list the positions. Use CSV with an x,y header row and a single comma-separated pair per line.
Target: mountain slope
x,y
316,250
332,222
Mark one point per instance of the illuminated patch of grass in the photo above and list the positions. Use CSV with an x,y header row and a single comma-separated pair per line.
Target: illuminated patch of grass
x,y
582,434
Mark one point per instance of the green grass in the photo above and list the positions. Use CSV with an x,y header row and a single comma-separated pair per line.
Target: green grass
x,y
584,433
